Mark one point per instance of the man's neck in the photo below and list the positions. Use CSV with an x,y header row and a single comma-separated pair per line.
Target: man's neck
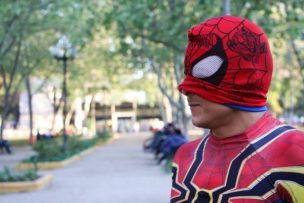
x,y
237,123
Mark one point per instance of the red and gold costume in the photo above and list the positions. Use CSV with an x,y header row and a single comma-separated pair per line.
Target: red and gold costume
x,y
228,61
263,164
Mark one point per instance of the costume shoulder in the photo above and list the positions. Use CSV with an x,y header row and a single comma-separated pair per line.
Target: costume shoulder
x,y
291,147
286,155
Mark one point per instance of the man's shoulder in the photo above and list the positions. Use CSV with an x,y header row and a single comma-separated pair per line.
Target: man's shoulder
x,y
286,148
293,136
285,135
288,131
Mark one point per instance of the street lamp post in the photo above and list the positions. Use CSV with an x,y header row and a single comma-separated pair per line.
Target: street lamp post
x,y
63,51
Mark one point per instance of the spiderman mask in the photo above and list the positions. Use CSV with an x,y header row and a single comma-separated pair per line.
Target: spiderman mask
x,y
228,61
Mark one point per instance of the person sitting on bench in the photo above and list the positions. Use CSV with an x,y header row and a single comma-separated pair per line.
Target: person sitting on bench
x,y
6,145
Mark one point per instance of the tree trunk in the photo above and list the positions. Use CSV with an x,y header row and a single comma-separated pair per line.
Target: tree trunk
x,y
182,119
86,109
79,115
93,115
69,117
56,103
300,61
226,9
30,107
7,84
177,104
4,114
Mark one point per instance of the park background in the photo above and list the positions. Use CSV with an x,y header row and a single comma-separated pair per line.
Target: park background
x,y
84,67
125,53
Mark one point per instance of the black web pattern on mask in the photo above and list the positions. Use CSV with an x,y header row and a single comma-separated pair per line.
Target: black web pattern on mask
x,y
246,47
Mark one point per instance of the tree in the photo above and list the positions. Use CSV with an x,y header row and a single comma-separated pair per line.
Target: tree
x,y
283,22
22,23
154,34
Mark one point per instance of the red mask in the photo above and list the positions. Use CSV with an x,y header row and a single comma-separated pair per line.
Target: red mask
x,y
228,61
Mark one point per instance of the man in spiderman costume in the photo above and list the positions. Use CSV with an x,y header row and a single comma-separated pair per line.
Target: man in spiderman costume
x,y
248,156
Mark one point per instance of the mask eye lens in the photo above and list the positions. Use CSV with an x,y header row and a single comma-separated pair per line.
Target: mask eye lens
x,y
207,67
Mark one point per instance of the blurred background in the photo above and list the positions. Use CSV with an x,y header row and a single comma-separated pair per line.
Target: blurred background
x,y
117,64
75,67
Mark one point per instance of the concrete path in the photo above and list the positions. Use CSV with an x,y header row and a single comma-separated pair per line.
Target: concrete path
x,y
19,153
119,172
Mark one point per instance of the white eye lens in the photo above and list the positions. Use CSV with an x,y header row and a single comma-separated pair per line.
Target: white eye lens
x,y
207,67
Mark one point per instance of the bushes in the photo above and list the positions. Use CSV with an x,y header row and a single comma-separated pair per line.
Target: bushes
x,y
47,149
104,135
9,176
51,150
76,144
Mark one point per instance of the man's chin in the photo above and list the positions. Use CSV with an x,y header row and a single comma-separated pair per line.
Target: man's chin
x,y
199,124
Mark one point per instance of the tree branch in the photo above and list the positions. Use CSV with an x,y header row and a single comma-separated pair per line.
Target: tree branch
x,y
10,45
152,39
159,41
16,63
161,85
3,75
8,26
297,54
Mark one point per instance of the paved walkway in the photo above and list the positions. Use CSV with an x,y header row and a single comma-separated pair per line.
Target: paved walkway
x,y
119,172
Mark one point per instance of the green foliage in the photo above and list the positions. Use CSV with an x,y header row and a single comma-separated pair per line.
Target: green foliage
x,y
115,39
155,31
29,28
7,175
283,22
105,135
168,165
51,150
76,144
48,149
